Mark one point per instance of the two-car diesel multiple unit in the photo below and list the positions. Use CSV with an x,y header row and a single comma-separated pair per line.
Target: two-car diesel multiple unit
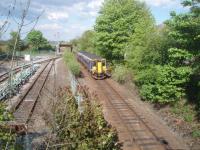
x,y
94,64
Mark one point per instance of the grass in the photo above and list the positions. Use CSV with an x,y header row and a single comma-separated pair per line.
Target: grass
x,y
120,74
184,110
196,133
2,48
72,63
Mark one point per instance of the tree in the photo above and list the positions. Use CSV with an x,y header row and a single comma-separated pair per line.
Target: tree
x,y
86,41
36,40
11,42
179,72
142,48
195,9
118,22
184,30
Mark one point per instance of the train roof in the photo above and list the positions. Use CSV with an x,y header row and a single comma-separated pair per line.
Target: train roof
x,y
90,55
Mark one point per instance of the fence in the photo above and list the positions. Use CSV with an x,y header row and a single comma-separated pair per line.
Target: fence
x,y
75,91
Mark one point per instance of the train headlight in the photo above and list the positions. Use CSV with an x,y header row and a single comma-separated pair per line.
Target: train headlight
x,y
94,69
104,68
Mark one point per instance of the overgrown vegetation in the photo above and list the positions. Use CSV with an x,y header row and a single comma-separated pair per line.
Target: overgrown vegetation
x,y
3,47
185,111
72,63
82,131
162,84
11,42
37,41
121,74
164,59
85,42
7,137
34,42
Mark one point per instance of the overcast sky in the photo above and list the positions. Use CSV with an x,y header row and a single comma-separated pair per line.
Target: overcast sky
x,y
67,19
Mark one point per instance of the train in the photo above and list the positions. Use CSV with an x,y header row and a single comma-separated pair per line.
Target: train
x,y
96,65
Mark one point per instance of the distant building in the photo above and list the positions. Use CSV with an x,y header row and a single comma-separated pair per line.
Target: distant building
x,y
62,47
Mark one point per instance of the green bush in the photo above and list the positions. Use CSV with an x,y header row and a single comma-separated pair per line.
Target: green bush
x,y
72,63
178,57
163,84
120,74
74,67
83,131
196,133
5,136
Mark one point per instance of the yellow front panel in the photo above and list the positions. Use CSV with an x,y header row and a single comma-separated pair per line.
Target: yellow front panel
x,y
99,67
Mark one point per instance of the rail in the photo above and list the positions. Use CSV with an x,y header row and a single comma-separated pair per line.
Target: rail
x,y
24,108
5,75
142,135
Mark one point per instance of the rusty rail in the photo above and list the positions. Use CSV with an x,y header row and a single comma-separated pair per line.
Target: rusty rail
x,y
25,107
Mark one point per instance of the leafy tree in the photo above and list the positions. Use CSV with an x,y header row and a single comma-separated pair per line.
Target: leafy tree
x,y
86,41
163,84
180,70
195,9
184,30
36,40
142,49
13,39
74,42
119,22
164,59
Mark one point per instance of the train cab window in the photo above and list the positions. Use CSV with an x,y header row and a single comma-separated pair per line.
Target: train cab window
x,y
103,63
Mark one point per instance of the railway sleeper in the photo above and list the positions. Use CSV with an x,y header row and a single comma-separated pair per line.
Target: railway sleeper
x,y
151,141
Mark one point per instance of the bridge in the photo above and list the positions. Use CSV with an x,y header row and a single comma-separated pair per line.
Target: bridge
x,y
60,46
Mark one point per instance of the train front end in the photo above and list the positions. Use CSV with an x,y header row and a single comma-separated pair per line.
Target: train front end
x,y
95,65
99,69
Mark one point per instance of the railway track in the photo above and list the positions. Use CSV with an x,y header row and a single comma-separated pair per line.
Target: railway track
x,y
5,75
137,134
25,107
